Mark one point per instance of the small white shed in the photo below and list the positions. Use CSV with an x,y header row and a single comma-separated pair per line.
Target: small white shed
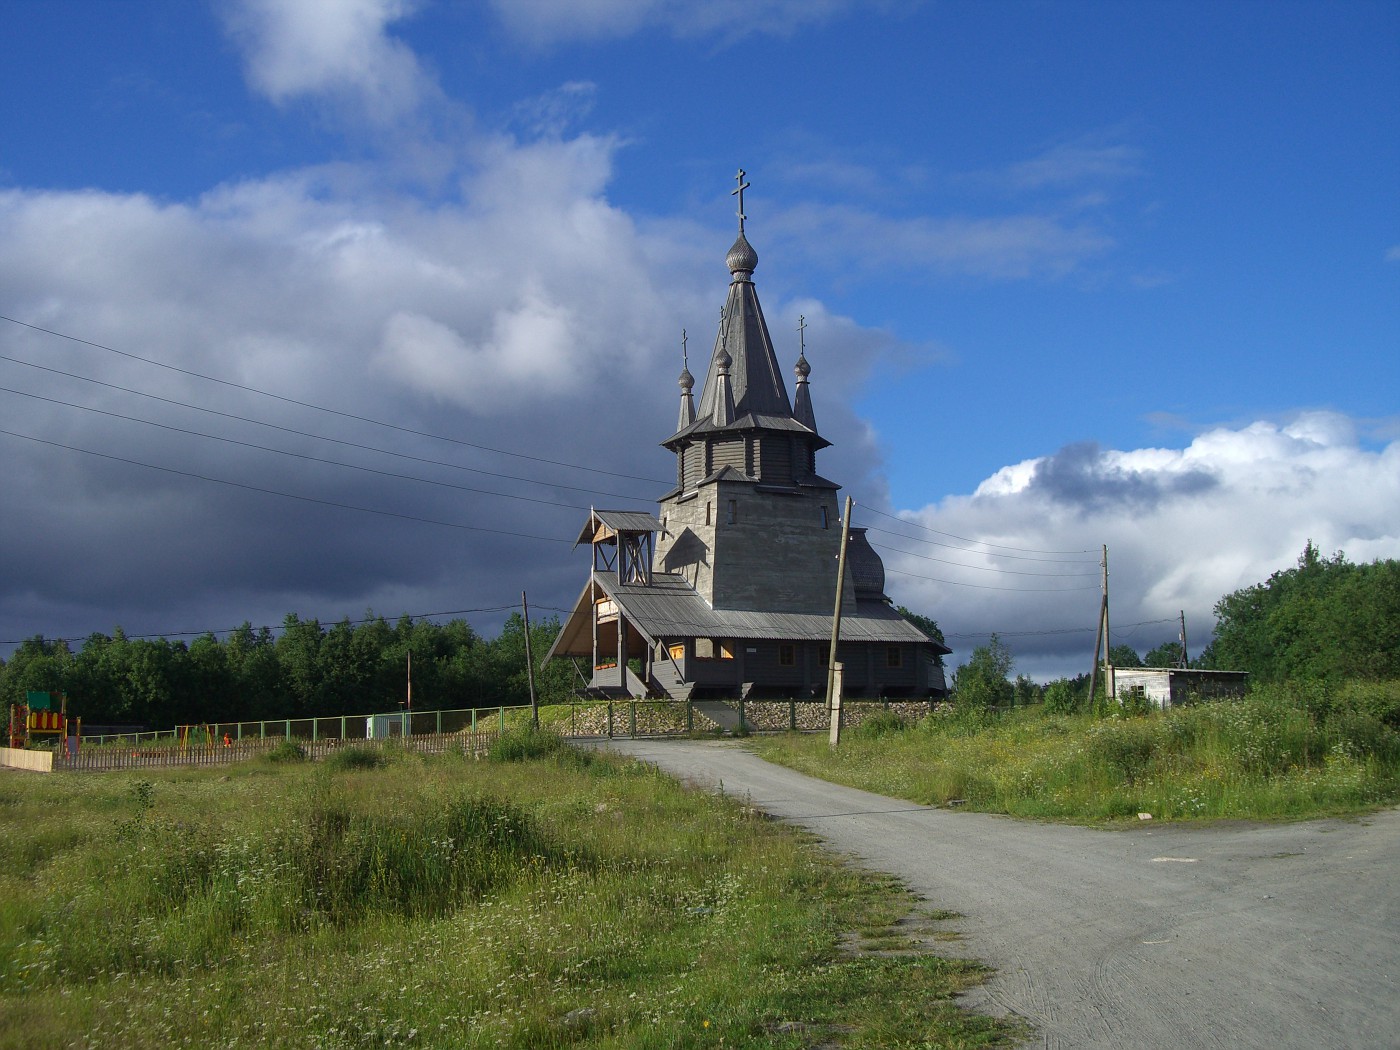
x,y
1171,686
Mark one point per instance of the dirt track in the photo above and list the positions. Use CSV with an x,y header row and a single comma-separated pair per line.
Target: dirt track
x,y
1279,935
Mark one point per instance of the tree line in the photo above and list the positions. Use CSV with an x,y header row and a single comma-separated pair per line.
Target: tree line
x,y
1324,619
305,670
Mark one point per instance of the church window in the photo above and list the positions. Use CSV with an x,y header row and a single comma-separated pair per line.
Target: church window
x,y
825,524
787,655
894,656
677,650
823,655
707,512
733,511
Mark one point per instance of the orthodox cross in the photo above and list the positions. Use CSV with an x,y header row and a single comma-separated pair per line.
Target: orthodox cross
x,y
801,335
739,192
685,354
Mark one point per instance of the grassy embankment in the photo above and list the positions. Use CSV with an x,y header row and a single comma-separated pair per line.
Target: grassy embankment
x,y
563,899
1282,752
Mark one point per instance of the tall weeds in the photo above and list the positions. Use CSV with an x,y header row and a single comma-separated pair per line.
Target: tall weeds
x,y
551,901
1283,751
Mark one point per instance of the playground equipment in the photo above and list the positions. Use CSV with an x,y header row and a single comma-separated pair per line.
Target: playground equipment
x,y
44,714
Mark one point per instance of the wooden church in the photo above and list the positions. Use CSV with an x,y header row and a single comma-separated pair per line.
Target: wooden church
x,y
729,591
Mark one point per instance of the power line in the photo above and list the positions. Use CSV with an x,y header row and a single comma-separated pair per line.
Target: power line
x,y
972,550
983,568
1061,630
309,434
968,539
990,587
302,456
286,495
321,408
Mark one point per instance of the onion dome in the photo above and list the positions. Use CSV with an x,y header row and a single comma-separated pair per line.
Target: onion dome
x,y
687,381
802,369
742,259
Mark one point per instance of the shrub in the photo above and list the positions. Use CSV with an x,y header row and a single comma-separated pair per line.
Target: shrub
x,y
881,723
287,751
1060,698
349,758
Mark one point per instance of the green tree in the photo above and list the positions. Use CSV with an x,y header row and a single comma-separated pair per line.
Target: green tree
x,y
928,626
1124,656
1168,654
983,680
1325,618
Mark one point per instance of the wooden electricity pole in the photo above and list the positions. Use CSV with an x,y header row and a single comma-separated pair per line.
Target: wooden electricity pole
x,y
1101,642
833,695
530,664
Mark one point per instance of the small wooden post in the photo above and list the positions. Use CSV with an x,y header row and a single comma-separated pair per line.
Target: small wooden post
x,y
837,674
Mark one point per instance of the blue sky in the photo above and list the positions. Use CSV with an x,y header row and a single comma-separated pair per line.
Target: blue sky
x,y
1074,274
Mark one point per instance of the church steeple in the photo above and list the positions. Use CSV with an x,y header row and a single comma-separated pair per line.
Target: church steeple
x,y
802,401
755,382
687,382
744,421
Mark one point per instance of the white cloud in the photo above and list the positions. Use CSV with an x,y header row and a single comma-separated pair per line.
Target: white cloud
x,y
1183,526
527,313
338,49
1003,247
544,22
1071,164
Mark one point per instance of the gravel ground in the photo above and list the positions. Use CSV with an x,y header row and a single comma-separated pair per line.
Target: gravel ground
x,y
1228,935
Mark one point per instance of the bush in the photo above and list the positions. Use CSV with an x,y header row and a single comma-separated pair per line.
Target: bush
x,y
349,758
1060,698
287,751
881,723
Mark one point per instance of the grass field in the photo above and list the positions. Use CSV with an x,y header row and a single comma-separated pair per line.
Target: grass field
x,y
1283,752
547,898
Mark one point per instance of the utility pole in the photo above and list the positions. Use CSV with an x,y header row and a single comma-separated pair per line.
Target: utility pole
x,y
833,696
1101,643
1185,659
1109,677
408,707
530,665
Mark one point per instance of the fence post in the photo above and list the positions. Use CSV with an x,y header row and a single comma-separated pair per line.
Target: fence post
x,y
503,719
288,734
439,722
743,725
689,716
792,715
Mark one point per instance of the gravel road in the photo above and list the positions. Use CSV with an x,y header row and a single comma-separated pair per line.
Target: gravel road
x,y
1233,935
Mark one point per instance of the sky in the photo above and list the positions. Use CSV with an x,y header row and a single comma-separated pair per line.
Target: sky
x,y
354,307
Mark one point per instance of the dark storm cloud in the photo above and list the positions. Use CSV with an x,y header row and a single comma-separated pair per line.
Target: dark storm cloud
x,y
1082,475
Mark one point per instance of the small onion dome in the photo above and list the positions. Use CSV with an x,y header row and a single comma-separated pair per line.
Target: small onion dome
x,y
803,369
865,566
741,258
687,381
724,361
